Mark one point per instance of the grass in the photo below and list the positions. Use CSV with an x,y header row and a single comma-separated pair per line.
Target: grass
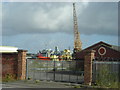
x,y
106,79
8,78
77,86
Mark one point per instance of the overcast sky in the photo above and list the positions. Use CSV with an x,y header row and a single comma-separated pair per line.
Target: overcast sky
x,y
36,25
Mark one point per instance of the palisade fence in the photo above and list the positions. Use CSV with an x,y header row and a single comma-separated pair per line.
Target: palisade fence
x,y
106,72
66,71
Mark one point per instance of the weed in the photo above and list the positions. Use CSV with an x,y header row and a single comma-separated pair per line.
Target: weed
x,y
37,81
9,77
106,79
77,86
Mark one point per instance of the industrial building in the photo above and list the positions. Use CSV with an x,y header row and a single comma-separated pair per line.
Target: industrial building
x,y
103,51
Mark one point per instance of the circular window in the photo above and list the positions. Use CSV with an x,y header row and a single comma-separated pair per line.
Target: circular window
x,y
102,51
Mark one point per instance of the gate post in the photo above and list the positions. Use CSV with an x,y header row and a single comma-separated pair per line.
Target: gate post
x,y
21,64
89,56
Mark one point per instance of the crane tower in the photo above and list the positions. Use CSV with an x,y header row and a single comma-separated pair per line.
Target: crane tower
x,y
77,41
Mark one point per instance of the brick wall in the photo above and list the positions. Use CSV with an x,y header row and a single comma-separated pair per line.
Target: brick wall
x,y
109,52
14,64
9,64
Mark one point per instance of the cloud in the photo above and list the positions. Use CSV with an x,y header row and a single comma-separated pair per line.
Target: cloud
x,y
35,18
31,17
99,18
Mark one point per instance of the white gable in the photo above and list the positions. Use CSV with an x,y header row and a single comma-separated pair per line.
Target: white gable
x,y
7,49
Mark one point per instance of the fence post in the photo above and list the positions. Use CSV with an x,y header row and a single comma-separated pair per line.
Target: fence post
x,y
89,56
21,64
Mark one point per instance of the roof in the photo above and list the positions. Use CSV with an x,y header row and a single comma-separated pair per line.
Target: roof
x,y
117,48
99,43
8,49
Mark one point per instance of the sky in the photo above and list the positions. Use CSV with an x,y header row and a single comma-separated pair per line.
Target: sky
x,y
34,26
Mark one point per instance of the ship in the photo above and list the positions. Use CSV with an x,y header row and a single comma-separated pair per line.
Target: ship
x,y
41,57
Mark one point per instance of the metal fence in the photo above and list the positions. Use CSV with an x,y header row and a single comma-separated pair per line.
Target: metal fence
x,y
66,71
106,71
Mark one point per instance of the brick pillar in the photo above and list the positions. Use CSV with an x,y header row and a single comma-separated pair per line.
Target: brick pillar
x,y
88,67
21,64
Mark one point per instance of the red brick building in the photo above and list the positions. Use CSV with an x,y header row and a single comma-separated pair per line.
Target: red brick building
x,y
102,50
12,63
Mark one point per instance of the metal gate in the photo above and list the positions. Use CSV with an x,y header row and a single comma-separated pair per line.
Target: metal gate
x,y
66,71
